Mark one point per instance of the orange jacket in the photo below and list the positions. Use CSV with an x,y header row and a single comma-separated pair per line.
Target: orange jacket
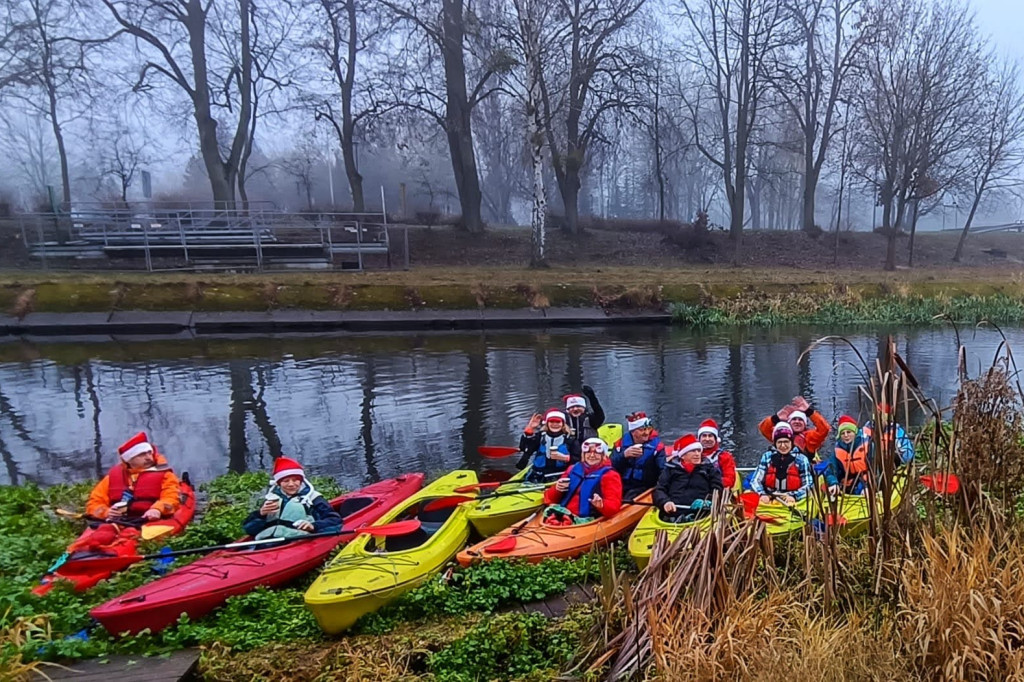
x,y
809,441
99,502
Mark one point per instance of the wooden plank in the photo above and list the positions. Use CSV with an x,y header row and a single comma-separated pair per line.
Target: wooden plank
x,y
177,667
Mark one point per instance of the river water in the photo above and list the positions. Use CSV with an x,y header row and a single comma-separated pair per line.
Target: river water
x,y
364,407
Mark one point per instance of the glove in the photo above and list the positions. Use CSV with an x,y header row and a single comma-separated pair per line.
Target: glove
x,y
588,391
698,504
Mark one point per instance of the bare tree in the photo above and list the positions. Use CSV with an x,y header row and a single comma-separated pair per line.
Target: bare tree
x,y
123,159
301,165
997,154
810,77
28,148
177,32
14,28
731,53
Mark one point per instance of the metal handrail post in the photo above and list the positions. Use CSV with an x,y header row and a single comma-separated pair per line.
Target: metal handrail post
x,y
145,241
359,245
42,242
259,246
184,241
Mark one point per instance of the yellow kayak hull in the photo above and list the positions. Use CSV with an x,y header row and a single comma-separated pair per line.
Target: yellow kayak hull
x,y
494,515
369,572
641,540
854,508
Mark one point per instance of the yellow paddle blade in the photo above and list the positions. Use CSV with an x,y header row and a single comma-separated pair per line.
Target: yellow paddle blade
x,y
152,531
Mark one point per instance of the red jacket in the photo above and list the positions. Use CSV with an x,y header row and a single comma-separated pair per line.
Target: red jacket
x,y
809,441
611,492
726,464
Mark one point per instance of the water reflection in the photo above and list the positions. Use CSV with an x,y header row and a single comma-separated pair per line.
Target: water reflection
x,y
366,407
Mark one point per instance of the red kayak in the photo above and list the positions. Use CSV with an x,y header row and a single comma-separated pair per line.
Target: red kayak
x,y
200,587
115,540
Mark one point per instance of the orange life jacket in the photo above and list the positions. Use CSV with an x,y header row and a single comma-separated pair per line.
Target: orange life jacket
x,y
145,492
780,477
855,463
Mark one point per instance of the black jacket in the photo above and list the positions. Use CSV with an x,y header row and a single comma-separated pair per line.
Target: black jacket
x,y
529,445
682,488
585,426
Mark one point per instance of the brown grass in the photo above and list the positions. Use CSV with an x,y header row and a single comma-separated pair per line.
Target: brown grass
x,y
17,635
24,303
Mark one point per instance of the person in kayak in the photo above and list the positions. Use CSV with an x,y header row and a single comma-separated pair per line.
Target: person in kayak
x,y
639,456
711,444
689,480
784,473
582,422
548,447
798,414
292,507
848,466
142,486
590,488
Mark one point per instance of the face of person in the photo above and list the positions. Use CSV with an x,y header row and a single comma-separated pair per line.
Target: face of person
x,y
554,425
593,453
143,461
798,424
847,436
576,411
642,435
784,445
290,485
708,440
692,456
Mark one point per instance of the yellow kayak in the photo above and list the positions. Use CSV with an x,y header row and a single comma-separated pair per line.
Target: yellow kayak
x,y
780,519
853,509
369,572
610,434
490,516
641,541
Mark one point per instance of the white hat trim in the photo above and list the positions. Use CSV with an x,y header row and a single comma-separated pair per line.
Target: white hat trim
x,y
136,450
707,429
285,473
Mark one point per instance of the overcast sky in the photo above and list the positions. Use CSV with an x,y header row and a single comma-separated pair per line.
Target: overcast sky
x,y
1004,20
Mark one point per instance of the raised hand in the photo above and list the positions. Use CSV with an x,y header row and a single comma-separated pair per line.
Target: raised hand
x,y
801,403
535,422
784,413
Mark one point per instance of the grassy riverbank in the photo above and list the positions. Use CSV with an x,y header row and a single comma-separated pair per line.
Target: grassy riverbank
x,y
694,295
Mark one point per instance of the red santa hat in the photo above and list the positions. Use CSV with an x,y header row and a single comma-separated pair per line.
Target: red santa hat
x,y
554,413
685,443
637,420
285,467
573,400
136,445
708,426
847,423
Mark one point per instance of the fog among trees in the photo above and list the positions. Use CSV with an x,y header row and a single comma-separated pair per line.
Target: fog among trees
x,y
759,113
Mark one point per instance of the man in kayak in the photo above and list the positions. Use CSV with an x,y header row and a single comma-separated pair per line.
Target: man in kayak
x,y
798,414
141,486
292,507
639,456
713,452
548,447
689,480
589,489
582,422
784,473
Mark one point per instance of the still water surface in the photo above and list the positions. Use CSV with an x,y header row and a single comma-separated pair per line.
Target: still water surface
x,y
362,408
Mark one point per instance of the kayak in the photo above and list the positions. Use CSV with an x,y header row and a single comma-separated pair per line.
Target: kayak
x,y
853,509
780,519
641,540
610,434
369,572
534,541
200,587
118,540
490,516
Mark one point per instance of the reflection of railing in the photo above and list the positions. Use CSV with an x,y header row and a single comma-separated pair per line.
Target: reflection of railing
x,y
207,238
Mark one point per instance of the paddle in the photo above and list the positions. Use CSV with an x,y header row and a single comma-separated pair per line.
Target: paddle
x,y
509,542
116,563
751,500
497,451
943,484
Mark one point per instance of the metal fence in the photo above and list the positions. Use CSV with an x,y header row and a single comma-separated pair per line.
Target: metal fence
x,y
205,238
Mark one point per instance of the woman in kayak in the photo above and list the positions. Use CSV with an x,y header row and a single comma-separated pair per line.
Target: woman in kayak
x,y
582,422
639,456
713,452
798,415
783,473
689,480
292,507
547,449
589,489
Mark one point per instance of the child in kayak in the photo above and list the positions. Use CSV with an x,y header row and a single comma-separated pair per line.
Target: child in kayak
x,y
783,473
797,415
848,469
142,486
639,456
848,466
590,488
548,450
292,507
689,480
582,422
713,452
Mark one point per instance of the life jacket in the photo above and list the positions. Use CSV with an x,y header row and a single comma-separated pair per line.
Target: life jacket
x,y
854,463
635,472
783,475
548,444
145,491
713,458
583,484
580,426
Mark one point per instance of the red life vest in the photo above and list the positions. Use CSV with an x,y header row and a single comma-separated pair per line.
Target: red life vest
x,y
146,491
780,477
854,463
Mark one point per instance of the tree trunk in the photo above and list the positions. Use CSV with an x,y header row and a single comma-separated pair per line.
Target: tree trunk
x,y
348,128
970,219
810,186
913,232
458,126
535,139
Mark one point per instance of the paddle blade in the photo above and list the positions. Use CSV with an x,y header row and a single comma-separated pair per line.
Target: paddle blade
x,y
152,531
99,564
944,484
496,451
750,501
833,520
477,486
767,519
506,544
446,502
392,529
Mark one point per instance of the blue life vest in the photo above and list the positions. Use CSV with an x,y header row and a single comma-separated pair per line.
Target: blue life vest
x,y
547,444
635,470
585,484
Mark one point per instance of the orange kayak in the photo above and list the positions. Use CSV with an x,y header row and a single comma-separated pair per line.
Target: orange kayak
x,y
534,541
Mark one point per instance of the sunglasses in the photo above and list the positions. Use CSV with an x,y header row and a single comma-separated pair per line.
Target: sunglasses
x,y
592,446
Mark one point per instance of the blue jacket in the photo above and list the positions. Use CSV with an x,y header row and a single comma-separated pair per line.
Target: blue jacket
x,y
800,466
325,519
642,472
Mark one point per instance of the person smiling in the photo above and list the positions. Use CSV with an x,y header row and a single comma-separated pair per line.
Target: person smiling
x,y
783,473
292,507
590,488
142,485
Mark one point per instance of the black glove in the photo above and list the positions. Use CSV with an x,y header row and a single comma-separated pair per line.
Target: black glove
x,y
588,391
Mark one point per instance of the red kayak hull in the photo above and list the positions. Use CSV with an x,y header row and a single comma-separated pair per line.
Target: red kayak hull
x,y
125,543
200,587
